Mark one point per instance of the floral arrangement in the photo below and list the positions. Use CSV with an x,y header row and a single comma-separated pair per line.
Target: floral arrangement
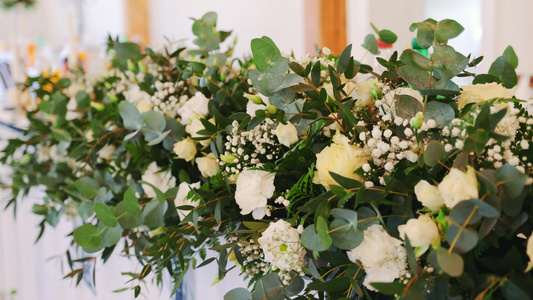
x,y
318,177
8,4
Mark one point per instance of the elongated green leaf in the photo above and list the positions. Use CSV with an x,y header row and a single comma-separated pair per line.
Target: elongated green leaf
x,y
511,56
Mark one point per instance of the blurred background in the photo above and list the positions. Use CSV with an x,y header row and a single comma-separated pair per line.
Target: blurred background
x,y
48,32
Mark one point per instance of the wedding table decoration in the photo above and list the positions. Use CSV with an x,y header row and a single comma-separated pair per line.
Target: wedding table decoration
x,y
317,177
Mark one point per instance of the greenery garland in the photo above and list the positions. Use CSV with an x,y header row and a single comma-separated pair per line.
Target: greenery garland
x,y
316,185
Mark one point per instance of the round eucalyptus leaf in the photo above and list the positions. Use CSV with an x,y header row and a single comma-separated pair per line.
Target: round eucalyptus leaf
x,y
87,236
238,294
311,240
451,263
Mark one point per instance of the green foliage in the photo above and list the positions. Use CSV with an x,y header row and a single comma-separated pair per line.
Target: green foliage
x,y
99,166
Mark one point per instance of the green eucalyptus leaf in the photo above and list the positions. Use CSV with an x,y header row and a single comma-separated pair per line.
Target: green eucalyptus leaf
x,y
511,56
126,220
87,236
434,153
238,294
442,113
416,60
371,44
407,106
311,240
265,52
105,215
154,213
465,239
504,71
512,180
389,288
447,29
451,263
131,203
322,231
130,115
387,36
110,235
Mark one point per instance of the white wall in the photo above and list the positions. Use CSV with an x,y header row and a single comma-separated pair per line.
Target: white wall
x,y
394,15
281,20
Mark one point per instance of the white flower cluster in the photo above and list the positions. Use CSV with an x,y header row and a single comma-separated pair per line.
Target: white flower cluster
x,y
249,149
386,148
253,257
383,257
283,248
169,97
160,71
496,154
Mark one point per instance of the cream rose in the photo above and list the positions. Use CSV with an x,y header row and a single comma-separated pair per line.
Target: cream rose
x,y
287,134
364,92
208,165
458,186
144,106
181,198
254,187
163,181
422,232
195,126
107,151
185,149
429,195
196,105
474,93
341,158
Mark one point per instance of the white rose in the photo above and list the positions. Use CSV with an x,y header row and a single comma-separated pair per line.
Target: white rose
x,y
383,257
341,158
144,106
195,126
163,181
458,186
364,91
474,93
287,134
208,165
107,151
185,149
181,198
429,195
422,232
529,252
254,187
197,104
